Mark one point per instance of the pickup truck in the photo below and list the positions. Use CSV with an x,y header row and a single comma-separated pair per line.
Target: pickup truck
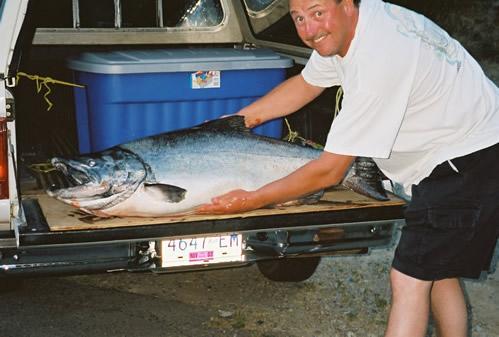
x,y
42,236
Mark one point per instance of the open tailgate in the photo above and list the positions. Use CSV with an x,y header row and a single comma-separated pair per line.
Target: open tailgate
x,y
52,222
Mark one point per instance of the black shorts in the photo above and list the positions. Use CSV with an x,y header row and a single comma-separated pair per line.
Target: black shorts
x,y
452,221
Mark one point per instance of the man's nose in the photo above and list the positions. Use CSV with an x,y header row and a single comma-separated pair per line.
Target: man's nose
x,y
309,29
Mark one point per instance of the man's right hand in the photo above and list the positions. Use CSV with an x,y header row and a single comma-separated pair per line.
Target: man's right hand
x,y
249,120
236,201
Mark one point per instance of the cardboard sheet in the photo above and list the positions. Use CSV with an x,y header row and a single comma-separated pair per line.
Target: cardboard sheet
x,y
62,217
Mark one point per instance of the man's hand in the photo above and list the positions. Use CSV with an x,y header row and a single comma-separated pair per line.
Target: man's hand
x,y
236,201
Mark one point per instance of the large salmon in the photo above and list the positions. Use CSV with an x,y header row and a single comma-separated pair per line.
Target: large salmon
x,y
174,172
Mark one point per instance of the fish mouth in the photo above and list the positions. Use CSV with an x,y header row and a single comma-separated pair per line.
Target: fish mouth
x,y
74,175
79,179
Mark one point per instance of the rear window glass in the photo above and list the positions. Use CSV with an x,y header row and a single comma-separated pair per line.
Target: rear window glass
x,y
258,5
2,2
129,13
192,13
270,21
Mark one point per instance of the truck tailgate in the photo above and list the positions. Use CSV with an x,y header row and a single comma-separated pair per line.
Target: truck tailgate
x,y
50,221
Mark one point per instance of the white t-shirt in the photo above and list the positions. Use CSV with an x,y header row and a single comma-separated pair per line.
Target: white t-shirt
x,y
413,96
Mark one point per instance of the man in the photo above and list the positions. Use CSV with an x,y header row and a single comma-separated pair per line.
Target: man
x,y
421,106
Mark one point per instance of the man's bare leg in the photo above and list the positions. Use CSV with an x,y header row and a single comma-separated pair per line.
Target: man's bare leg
x,y
410,306
449,308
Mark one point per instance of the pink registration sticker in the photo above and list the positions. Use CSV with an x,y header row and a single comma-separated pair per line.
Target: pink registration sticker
x,y
201,256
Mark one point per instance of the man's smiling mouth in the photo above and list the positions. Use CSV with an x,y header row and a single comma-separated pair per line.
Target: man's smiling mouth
x,y
319,38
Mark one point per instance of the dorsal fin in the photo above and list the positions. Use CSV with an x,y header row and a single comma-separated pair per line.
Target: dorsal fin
x,y
234,123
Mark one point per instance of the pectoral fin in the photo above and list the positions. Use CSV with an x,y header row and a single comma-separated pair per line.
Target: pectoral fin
x,y
168,193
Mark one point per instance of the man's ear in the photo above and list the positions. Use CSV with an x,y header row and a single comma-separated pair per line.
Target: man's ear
x,y
349,7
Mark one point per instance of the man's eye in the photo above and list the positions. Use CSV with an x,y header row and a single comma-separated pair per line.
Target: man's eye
x,y
318,14
299,19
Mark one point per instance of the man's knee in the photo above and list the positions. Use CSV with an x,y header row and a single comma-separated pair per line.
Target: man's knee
x,y
406,285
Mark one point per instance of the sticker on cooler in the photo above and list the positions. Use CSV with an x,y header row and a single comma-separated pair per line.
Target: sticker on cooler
x,y
201,250
205,79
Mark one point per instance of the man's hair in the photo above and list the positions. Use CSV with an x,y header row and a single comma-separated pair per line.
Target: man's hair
x,y
355,2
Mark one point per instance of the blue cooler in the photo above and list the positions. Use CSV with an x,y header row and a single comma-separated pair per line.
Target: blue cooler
x,y
138,93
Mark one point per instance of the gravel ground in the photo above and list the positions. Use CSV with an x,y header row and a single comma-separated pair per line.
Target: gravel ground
x,y
347,296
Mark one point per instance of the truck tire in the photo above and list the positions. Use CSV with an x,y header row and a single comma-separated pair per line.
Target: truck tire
x,y
289,269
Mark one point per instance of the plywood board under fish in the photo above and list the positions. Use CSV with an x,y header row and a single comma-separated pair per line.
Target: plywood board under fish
x,y
62,217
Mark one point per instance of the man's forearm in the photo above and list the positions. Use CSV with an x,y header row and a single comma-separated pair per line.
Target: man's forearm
x,y
283,100
328,170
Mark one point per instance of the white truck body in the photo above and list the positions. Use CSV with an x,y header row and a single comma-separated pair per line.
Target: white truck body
x,y
30,246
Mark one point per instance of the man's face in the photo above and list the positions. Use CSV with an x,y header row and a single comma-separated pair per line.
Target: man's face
x,y
325,25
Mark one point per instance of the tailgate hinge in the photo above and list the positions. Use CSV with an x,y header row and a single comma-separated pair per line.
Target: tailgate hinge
x,y
10,110
10,82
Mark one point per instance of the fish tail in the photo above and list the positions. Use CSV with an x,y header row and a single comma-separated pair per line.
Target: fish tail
x,y
372,189
366,178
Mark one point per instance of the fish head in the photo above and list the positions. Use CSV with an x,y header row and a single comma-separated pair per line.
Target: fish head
x,y
101,179
84,170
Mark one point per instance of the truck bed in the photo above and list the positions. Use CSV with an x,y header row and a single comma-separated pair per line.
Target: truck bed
x,y
50,221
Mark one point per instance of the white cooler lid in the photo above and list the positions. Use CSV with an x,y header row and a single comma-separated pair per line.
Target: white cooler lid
x,y
177,60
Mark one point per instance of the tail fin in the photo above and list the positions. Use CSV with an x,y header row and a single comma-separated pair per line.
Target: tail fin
x,y
364,178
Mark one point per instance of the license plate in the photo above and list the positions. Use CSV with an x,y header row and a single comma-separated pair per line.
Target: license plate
x,y
198,250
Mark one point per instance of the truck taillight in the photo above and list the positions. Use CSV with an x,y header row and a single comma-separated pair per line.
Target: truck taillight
x,y
4,163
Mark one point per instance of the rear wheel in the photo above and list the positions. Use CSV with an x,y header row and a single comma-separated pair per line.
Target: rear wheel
x,y
289,269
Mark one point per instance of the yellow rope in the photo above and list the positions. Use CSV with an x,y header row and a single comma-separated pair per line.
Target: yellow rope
x,y
42,167
293,135
44,81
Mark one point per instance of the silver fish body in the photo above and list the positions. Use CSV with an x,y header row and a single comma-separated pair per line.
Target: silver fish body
x,y
174,172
